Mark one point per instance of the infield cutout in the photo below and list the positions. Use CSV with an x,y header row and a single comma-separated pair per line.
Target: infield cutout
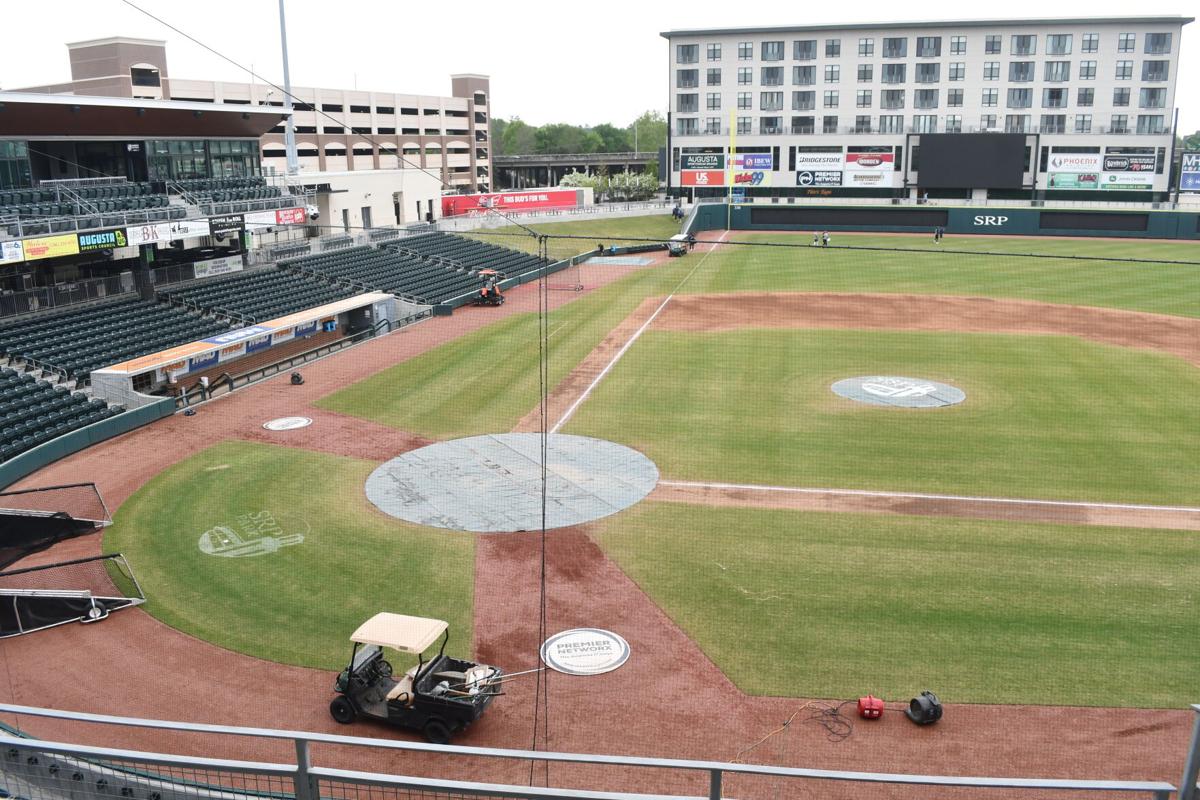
x,y
287,423
898,392
493,483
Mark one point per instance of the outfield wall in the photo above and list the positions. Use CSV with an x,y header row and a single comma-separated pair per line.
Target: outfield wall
x,y
955,219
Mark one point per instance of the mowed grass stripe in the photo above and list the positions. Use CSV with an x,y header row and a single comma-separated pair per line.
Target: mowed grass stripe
x,y
300,604
1049,417
839,605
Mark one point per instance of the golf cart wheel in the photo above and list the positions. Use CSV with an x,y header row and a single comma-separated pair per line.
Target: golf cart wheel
x,y
341,710
436,732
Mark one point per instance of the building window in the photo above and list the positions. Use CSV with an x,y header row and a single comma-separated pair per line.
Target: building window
x,y
770,101
1152,98
1083,123
387,111
1058,44
1016,123
804,76
687,103
925,123
713,101
1023,45
862,98
893,73
745,51
991,97
891,123
803,124
1054,123
895,47
1121,97
1126,42
866,47
987,122
958,71
954,98
712,125
772,51
958,45
1085,97
953,123
866,73
772,76
928,73
929,46
714,77
991,45
1119,123
804,101
1158,44
1020,98
831,99
862,124
1057,71
714,52
833,73
1054,98
833,48
684,54
687,78
336,109
770,125
1155,70
1124,70
804,49
1087,70
687,126
745,76
743,124
1091,43
991,70
891,98
1020,71
1150,123
925,98
829,125
745,101
333,129
148,76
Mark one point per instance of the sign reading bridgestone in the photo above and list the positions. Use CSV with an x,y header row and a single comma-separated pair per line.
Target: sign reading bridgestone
x,y
898,392
585,651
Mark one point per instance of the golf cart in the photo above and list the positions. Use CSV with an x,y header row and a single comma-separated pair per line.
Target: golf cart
x,y
439,697
490,293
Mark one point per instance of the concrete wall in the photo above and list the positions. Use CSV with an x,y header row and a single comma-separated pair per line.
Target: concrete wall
x,y
378,190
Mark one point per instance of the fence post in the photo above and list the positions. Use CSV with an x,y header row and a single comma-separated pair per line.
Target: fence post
x,y
714,784
304,789
1191,769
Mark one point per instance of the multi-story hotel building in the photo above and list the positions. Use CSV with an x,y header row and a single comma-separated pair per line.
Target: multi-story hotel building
x,y
336,129
843,110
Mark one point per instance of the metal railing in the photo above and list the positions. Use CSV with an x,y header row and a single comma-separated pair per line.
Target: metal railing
x,y
470,222
44,298
45,769
40,226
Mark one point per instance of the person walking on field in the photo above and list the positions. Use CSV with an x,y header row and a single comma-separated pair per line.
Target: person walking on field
x,y
825,239
816,239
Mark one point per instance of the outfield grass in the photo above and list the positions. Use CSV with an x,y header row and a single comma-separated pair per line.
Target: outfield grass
x,y
839,605
607,231
300,604
1045,416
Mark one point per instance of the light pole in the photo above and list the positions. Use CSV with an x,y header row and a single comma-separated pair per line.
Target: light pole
x,y
289,136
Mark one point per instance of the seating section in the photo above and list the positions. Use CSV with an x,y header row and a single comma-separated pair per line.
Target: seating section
x,y
213,184
470,253
387,271
82,340
260,295
33,411
82,201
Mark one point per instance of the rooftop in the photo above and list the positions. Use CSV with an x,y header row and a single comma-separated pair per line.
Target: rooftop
x,y
928,24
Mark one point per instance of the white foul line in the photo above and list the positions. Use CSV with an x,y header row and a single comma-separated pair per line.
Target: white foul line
x,y
608,367
919,496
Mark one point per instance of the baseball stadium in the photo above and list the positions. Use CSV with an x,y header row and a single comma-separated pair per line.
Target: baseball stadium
x,y
785,473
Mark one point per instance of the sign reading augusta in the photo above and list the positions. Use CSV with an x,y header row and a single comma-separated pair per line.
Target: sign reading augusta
x,y
702,161
585,651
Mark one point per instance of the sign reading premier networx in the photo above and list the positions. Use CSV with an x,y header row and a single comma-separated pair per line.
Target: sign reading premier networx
x,y
585,651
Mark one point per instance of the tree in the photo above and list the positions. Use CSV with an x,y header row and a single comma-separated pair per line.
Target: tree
x,y
1192,142
651,130
518,138
614,139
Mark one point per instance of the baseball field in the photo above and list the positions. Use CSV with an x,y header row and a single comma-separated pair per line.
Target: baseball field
x,y
1036,543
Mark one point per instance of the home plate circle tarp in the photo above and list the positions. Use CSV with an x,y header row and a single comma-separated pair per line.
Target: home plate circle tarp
x,y
493,483
898,392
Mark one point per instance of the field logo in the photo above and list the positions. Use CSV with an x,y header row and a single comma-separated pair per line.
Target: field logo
x,y
585,651
288,423
898,392
254,534
897,387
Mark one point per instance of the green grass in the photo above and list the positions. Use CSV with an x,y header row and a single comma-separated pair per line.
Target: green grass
x,y
1045,416
607,231
300,604
839,605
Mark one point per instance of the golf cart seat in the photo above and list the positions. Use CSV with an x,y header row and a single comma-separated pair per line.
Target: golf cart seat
x,y
403,690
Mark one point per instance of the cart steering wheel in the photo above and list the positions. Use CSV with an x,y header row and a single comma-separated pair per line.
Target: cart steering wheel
x,y
384,668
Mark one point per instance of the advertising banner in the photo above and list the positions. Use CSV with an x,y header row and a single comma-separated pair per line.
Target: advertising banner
x,y
240,335
204,361
690,161
702,177
1076,162
824,177
1129,163
754,161
454,205
154,232
308,329
1127,181
870,169
218,266
1073,180
1190,176
227,224
819,162
756,178
11,252
66,244
102,240
260,343
279,216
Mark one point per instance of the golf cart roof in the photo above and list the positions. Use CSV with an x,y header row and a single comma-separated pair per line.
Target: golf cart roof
x,y
400,632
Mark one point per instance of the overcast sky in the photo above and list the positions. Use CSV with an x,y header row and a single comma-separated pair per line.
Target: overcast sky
x,y
584,63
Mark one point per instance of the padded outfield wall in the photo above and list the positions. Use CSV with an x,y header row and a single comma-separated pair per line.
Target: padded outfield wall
x,y
955,219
